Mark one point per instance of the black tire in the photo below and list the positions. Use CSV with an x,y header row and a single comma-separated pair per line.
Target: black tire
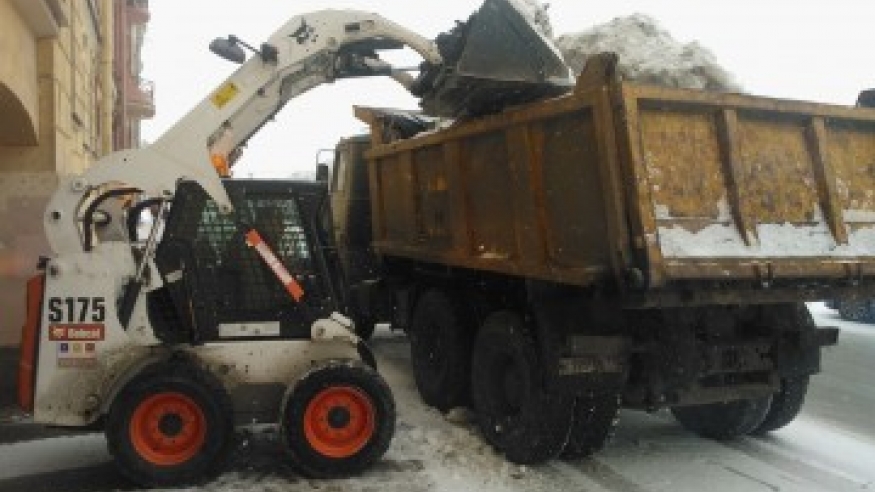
x,y
195,434
855,310
725,420
514,411
786,404
339,420
595,419
440,350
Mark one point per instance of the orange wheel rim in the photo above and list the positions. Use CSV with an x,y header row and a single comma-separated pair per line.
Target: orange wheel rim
x,y
339,421
168,429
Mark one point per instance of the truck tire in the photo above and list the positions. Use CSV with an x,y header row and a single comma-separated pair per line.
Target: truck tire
x,y
595,419
855,310
514,411
440,350
725,420
171,426
786,404
339,419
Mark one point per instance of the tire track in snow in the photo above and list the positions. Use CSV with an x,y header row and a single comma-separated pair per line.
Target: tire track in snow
x,y
87,479
596,476
823,477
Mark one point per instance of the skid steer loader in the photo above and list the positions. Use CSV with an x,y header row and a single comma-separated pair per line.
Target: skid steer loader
x,y
225,313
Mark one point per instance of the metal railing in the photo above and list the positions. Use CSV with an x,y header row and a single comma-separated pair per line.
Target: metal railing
x,y
141,97
147,88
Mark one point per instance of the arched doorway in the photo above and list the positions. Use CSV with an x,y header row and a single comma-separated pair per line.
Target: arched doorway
x,y
16,126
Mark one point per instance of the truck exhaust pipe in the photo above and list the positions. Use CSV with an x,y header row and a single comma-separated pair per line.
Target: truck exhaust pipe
x,y
498,58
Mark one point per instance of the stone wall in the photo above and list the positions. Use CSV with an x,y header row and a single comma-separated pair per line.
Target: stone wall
x,y
56,77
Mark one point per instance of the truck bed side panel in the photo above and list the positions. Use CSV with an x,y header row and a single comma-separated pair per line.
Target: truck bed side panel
x,y
645,187
518,195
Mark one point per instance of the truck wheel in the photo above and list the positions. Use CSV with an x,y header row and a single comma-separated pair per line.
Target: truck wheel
x,y
171,426
595,418
440,351
725,420
514,411
786,404
339,420
855,310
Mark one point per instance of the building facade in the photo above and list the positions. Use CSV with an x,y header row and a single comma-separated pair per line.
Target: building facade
x,y
70,92
136,95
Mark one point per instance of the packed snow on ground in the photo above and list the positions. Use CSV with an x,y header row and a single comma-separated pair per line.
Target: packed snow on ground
x,y
60,453
648,53
432,452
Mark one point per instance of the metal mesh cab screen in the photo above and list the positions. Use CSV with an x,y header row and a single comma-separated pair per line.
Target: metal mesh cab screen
x,y
232,282
278,221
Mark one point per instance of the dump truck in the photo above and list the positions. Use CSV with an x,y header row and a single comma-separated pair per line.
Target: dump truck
x,y
623,245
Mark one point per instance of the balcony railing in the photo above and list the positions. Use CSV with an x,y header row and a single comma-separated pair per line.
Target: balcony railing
x,y
138,11
141,99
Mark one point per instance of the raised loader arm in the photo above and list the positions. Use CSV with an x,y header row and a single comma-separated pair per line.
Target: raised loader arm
x,y
309,50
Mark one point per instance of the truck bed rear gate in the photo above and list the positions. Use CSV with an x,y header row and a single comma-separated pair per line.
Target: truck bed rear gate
x,y
738,187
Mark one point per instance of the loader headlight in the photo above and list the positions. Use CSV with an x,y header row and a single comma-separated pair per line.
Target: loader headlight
x,y
228,49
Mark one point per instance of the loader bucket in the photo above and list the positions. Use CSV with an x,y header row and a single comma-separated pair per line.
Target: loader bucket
x,y
496,59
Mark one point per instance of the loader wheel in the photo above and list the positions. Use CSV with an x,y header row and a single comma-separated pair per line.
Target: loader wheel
x,y
786,404
725,420
339,420
171,426
440,351
595,418
515,413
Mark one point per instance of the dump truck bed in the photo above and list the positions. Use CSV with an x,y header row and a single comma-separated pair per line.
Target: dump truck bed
x,y
646,188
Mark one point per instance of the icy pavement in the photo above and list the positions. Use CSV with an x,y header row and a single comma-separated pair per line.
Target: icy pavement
x,y
830,448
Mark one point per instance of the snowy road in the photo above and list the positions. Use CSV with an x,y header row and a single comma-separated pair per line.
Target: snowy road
x,y
830,448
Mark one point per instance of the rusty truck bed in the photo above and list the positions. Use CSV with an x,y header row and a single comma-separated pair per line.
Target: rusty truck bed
x,y
645,186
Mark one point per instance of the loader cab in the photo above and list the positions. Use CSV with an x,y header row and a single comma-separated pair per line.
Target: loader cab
x,y
217,288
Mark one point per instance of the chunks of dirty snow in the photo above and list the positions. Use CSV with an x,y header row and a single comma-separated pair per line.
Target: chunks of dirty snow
x,y
536,13
648,53
774,241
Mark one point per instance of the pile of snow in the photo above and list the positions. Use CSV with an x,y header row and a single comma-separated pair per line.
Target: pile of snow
x,y
537,14
648,53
